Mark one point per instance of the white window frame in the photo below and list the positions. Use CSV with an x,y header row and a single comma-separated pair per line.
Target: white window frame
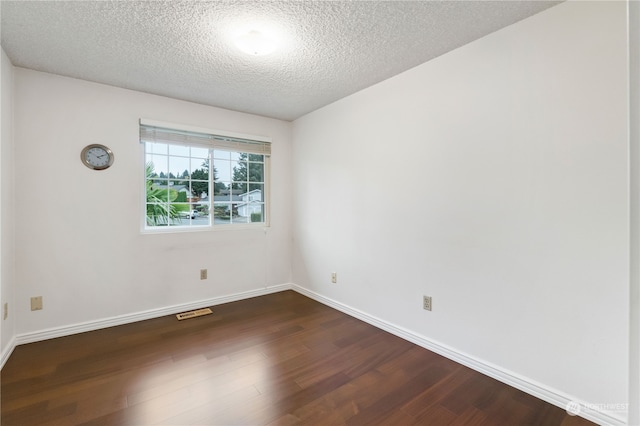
x,y
219,140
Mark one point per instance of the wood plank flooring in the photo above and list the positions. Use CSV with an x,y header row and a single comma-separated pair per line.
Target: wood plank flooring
x,y
280,359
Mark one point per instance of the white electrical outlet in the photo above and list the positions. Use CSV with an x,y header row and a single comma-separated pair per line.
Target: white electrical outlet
x,y
334,277
426,303
203,274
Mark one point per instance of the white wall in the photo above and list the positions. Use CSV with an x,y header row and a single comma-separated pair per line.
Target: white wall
x,y
634,152
78,239
494,179
7,277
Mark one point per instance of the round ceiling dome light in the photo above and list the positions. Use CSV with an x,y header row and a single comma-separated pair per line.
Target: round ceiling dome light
x,y
255,43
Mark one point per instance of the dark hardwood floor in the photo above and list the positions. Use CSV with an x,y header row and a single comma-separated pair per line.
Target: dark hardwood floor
x,y
279,359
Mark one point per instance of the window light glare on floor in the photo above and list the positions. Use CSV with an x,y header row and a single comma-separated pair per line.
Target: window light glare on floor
x,y
255,43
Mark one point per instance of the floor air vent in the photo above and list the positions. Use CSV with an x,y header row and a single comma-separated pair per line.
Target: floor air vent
x,y
193,314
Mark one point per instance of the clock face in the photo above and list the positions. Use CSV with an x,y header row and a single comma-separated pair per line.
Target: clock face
x,y
97,157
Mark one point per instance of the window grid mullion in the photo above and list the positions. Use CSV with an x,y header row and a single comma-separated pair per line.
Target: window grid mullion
x,y
238,190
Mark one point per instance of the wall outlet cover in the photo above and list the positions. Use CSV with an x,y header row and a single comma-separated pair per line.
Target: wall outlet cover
x,y
36,303
426,303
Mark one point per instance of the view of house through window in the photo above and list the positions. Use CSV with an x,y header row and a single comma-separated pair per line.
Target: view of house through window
x,y
238,189
199,180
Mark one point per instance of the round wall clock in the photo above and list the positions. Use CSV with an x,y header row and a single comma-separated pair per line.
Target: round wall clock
x,y
97,157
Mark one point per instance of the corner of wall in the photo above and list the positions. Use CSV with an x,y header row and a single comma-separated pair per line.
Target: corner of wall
x,y
633,16
7,246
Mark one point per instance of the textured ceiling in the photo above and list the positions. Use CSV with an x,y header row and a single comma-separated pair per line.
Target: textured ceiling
x,y
185,50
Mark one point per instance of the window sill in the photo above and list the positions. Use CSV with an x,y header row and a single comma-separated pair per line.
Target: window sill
x,y
215,228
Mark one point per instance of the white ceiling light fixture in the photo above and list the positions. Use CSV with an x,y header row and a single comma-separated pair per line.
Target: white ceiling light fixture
x,y
256,43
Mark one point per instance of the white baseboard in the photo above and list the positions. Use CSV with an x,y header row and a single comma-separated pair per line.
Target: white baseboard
x,y
67,330
524,384
6,352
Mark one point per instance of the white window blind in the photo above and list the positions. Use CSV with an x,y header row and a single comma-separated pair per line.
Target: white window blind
x,y
153,133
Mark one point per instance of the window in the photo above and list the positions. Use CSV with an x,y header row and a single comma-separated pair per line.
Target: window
x,y
198,179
